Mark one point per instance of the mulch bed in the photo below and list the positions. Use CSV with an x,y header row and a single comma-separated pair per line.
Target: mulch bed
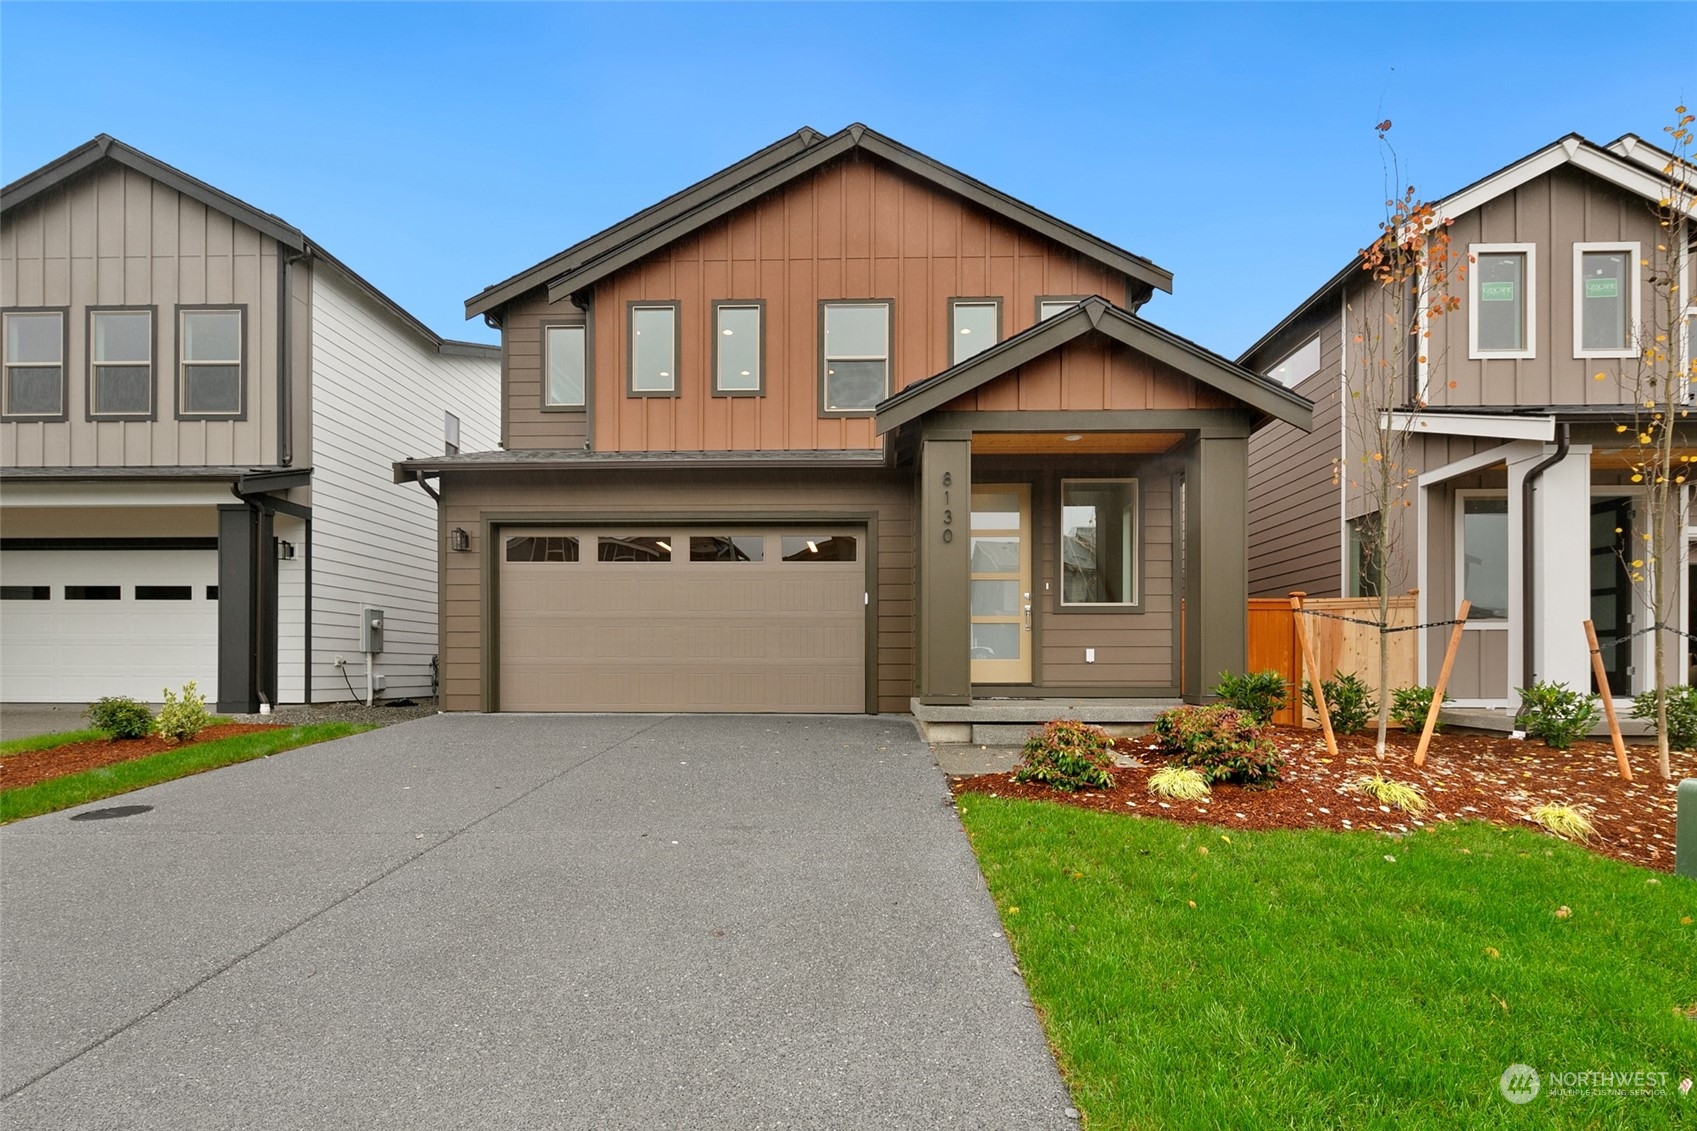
x,y
1466,777
19,770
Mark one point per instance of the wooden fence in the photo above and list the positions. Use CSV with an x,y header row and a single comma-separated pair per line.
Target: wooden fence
x,y
1339,646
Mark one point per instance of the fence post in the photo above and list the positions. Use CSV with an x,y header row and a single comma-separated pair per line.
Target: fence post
x,y
1608,698
1313,673
1431,726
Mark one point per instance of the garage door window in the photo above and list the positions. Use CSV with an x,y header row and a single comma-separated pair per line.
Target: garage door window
x,y
818,548
727,548
164,592
92,593
26,592
633,549
548,549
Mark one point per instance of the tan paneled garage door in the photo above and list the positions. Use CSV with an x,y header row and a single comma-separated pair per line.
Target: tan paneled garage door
x,y
682,619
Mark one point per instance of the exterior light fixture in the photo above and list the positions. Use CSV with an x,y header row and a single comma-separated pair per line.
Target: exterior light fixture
x,y
285,551
458,540
1072,438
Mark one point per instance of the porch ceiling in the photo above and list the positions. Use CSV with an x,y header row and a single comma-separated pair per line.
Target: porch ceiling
x,y
1073,443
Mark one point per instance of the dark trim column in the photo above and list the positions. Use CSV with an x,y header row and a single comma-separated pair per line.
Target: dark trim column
x,y
247,609
944,545
1216,561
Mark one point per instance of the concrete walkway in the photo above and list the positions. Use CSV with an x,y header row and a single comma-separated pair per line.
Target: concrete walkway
x,y
521,921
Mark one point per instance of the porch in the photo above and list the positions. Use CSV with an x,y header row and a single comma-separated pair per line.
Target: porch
x,y
1007,722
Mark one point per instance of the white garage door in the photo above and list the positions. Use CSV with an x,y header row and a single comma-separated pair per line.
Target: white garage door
x,y
683,620
76,625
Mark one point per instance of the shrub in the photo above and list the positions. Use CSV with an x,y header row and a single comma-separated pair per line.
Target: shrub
x,y
1222,742
1566,821
1393,793
181,719
1068,755
1349,701
1261,694
120,717
1682,714
1180,783
1410,704
1554,713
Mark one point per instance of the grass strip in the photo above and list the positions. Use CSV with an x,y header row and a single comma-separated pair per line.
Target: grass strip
x,y
34,742
121,777
1205,977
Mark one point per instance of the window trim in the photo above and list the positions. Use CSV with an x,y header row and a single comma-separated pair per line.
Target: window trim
x,y
1062,606
759,306
64,413
631,307
586,325
1634,309
953,332
1530,302
177,362
1037,318
889,305
1319,362
1458,563
90,364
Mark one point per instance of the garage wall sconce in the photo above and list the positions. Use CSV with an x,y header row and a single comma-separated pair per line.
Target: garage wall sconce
x,y
285,551
458,540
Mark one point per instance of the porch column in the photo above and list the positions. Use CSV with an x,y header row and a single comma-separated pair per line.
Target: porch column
x,y
1216,523
944,545
1561,594
238,608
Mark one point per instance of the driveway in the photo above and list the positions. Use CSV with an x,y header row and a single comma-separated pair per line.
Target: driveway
x,y
522,921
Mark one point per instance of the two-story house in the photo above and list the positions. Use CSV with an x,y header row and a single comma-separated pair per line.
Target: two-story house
x,y
1522,500
841,429
198,415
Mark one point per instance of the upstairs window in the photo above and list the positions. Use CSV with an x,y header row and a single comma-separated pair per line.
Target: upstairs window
x,y
653,349
738,349
564,361
209,381
450,434
1048,306
975,324
856,363
1299,366
35,365
120,352
1605,299
1502,320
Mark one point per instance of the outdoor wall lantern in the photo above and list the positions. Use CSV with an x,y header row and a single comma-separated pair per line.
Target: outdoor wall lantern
x,y
285,551
458,540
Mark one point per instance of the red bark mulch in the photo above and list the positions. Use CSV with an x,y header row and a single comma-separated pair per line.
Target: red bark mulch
x,y
19,770
1466,777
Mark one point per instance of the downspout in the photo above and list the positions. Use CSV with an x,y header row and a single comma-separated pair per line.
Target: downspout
x,y
1528,570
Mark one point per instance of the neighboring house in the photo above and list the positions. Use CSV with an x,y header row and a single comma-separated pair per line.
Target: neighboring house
x,y
200,410
842,429
1524,500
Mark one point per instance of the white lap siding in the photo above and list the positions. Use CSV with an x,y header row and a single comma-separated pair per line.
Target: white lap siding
x,y
379,394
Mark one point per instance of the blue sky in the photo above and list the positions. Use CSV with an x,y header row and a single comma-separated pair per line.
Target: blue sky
x,y
437,148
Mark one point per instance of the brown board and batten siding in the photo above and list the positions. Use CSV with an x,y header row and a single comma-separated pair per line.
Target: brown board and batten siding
x,y
1090,375
1552,212
855,229
880,499
1295,529
119,238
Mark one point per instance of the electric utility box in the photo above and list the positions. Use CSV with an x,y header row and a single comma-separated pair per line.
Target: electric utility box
x,y
371,630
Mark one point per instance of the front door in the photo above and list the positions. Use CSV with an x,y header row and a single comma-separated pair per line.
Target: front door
x,y
1611,589
1001,584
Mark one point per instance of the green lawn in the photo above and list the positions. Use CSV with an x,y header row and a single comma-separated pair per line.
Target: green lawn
x,y
121,777
48,741
1302,979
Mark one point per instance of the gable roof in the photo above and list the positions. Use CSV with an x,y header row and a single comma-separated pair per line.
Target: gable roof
x,y
1616,166
104,148
1096,315
766,171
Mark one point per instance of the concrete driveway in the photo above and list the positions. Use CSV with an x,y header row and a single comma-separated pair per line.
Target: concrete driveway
x,y
522,921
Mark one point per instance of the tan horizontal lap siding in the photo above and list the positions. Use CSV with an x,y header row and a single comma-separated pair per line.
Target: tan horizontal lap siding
x,y
119,238
526,423
678,497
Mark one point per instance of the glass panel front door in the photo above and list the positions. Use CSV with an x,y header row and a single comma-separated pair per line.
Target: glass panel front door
x,y
1611,590
1001,584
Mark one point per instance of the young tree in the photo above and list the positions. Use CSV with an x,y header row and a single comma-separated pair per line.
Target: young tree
x,y
1660,380
1408,273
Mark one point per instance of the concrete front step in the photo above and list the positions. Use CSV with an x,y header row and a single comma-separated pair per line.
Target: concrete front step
x,y
1008,722
1500,720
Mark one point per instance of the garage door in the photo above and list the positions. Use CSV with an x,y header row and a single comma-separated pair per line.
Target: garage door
x,y
76,625
682,620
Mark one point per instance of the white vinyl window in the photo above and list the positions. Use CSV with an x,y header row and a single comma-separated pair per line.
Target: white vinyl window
x,y
1605,299
856,361
1099,541
974,325
653,349
1302,364
210,379
565,362
121,362
1481,556
1049,307
35,364
737,347
1502,309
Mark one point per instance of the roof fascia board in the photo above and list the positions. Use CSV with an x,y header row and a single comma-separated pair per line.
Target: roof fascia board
x,y
1540,428
1502,453
1192,360
606,239
406,471
443,346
